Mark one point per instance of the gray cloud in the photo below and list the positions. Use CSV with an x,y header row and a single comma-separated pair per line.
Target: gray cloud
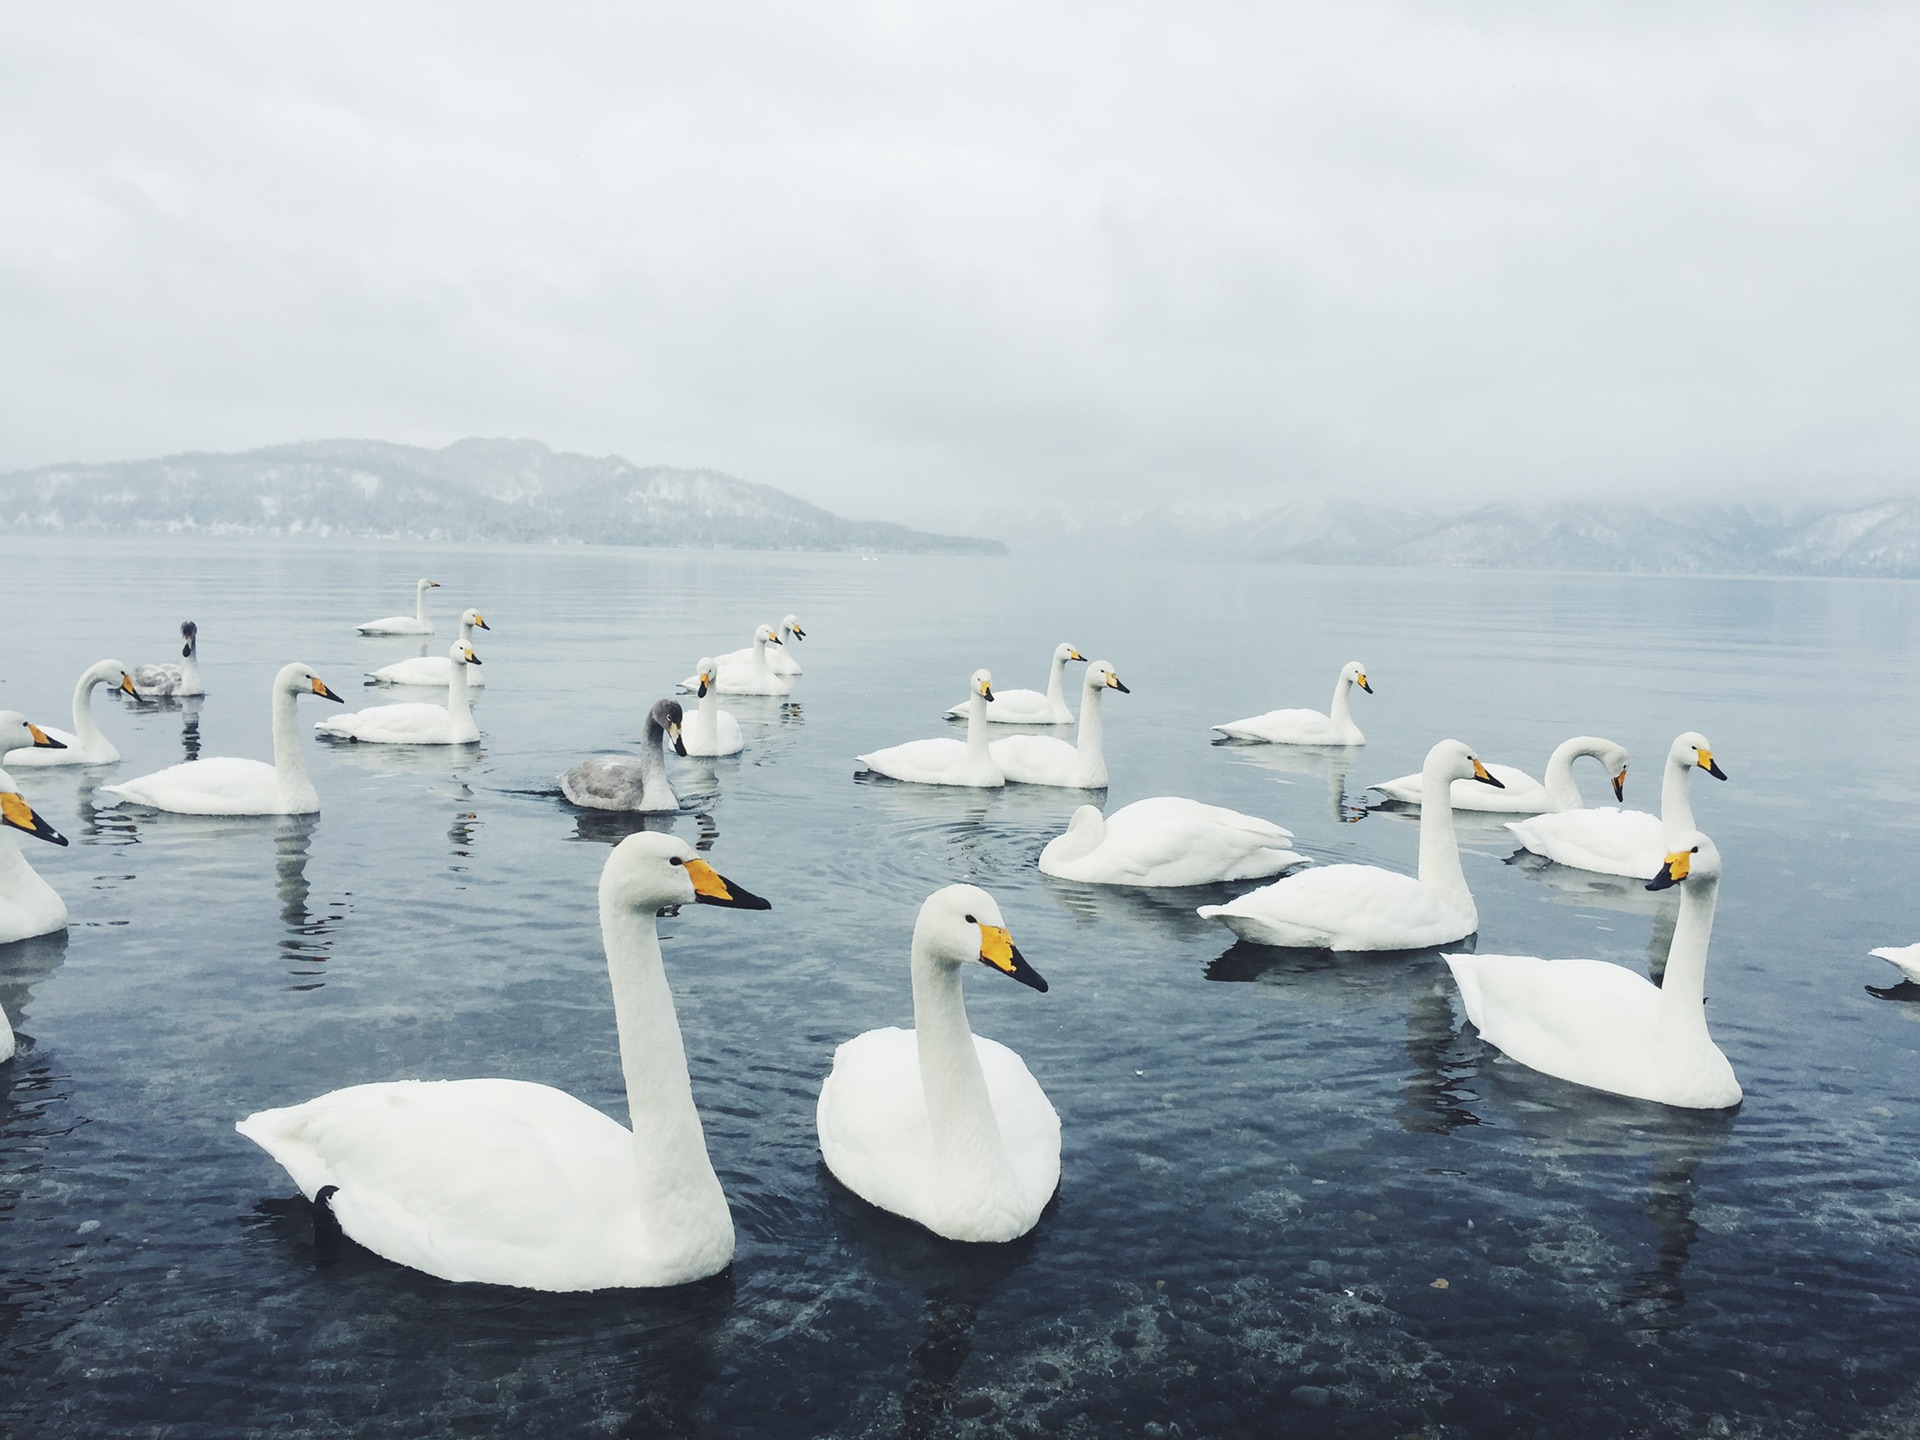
x,y
914,261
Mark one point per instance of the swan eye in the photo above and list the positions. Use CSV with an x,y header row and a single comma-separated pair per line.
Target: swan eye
x,y
675,860
972,921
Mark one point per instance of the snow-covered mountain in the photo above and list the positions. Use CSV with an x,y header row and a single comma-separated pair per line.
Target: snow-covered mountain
x,y
471,490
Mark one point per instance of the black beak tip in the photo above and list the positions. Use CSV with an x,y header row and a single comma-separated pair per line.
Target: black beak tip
x,y
1619,789
1713,769
1121,688
679,746
1366,687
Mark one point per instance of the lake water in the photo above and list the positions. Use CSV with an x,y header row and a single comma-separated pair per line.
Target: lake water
x,y
1270,1161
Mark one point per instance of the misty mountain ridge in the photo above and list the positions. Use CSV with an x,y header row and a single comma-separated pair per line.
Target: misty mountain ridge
x,y
470,490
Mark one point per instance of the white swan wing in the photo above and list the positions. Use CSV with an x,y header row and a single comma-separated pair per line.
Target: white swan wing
x,y
1170,841
415,723
1905,958
1044,760
428,672
219,785
495,1181
396,625
1581,1020
1286,727
932,762
1343,907
1607,841
1018,707
1521,793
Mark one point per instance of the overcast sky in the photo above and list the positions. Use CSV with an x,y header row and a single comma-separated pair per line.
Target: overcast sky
x,y
915,260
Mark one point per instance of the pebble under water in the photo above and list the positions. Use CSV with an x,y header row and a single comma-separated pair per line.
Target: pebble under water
x,y
1298,1195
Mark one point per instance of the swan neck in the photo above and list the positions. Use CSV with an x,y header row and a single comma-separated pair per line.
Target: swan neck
x,y
1683,988
1562,789
1057,684
420,602
289,762
966,1137
710,704
85,728
459,702
669,1146
1440,870
1676,800
977,752
1340,712
1087,735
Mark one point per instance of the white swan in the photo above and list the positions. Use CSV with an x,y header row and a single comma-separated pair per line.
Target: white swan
x,y
1603,1026
225,786
414,624
1904,958
936,1123
1031,707
631,782
84,744
1167,841
1625,842
782,661
1362,907
29,906
711,731
508,1183
1044,760
1523,794
1308,727
435,672
946,762
418,723
751,675
169,681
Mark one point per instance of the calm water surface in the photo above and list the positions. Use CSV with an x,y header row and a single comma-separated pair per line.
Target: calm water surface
x,y
1271,1161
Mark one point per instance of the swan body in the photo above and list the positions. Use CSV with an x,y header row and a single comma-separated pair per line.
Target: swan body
x,y
1604,1026
435,672
780,661
751,675
29,906
1904,958
936,1123
711,731
509,1183
1524,795
1044,760
1032,707
414,624
418,723
946,762
222,785
1362,907
169,681
636,783
1168,841
1308,727
1624,842
85,744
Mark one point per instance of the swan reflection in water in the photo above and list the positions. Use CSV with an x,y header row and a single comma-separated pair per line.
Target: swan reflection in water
x,y
307,944
24,964
1329,761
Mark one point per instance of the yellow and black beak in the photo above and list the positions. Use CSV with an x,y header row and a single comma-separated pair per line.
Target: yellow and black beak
x,y
1480,774
480,623
776,640
126,685
1076,655
320,689
986,689
1677,867
712,888
1361,681
996,951
42,740
1620,784
798,633
433,584
1708,764
705,681
1113,683
472,659
16,812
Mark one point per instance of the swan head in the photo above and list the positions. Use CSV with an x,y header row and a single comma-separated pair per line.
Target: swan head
x,y
1452,760
1354,673
297,679
651,872
666,717
110,672
767,635
1101,676
705,677
16,814
1692,749
1616,759
189,639
426,585
981,684
962,924
1064,652
475,619
791,626
1691,857
19,733
462,654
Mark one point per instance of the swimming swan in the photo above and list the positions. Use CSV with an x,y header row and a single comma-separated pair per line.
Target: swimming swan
x,y
505,1182
1044,760
414,624
29,906
936,1123
749,671
1625,842
169,681
225,786
1603,1026
1167,841
435,671
1362,907
85,744
417,723
711,731
946,762
1031,707
1904,958
1523,794
1308,727
635,783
